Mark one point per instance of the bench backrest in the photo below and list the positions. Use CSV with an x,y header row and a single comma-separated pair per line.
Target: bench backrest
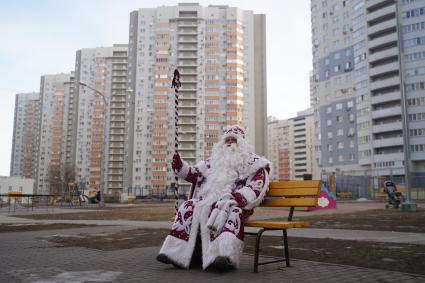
x,y
293,194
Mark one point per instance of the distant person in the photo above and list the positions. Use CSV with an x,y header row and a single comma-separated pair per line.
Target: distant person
x,y
227,186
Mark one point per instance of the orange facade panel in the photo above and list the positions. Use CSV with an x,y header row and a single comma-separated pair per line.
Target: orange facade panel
x,y
159,156
212,97
211,81
160,105
212,89
160,122
209,114
160,164
159,138
159,147
159,182
234,89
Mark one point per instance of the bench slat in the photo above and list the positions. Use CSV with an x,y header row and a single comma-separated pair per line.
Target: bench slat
x,y
295,184
290,202
277,224
294,192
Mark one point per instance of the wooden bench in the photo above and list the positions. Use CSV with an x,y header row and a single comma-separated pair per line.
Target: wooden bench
x,y
284,194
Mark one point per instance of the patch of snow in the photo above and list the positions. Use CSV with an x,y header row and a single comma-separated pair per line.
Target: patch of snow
x,y
81,276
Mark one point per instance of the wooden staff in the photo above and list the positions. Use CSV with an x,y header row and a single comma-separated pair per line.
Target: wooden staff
x,y
176,84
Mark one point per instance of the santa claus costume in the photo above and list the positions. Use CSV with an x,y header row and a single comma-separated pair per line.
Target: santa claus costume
x,y
227,187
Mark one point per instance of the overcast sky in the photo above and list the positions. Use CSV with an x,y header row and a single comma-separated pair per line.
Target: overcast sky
x,y
41,36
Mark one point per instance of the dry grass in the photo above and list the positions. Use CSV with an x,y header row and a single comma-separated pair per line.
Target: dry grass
x,y
148,212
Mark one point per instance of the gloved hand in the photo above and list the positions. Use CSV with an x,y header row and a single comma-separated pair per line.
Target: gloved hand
x,y
219,215
177,163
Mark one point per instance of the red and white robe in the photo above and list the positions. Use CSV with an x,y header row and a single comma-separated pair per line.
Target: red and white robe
x,y
247,191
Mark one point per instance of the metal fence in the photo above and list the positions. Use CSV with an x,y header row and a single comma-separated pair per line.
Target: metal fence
x,y
354,187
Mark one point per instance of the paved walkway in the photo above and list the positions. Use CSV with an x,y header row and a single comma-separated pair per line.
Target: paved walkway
x,y
28,257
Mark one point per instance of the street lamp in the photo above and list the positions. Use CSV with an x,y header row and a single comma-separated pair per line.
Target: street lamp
x,y
97,92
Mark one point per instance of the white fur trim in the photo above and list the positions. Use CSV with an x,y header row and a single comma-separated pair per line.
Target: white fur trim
x,y
177,250
211,219
248,194
183,171
220,220
260,162
260,198
228,245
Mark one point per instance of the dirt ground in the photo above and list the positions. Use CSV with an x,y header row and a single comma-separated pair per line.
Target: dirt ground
x,y
373,219
149,212
24,227
395,257
376,220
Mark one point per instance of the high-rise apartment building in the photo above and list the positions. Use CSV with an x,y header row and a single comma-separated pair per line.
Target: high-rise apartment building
x,y
368,87
217,50
291,147
100,100
25,135
52,133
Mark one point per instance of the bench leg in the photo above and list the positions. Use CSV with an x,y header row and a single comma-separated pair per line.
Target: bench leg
x,y
257,249
285,243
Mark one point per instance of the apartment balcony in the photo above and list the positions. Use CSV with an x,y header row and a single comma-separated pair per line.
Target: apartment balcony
x,y
187,64
117,112
190,47
191,129
187,122
398,156
115,151
187,114
388,112
116,132
188,155
115,165
372,3
185,23
387,53
393,96
380,12
382,69
187,148
187,97
389,127
188,80
389,142
382,40
186,106
187,56
379,84
187,32
188,73
187,90
381,26
417,156
187,40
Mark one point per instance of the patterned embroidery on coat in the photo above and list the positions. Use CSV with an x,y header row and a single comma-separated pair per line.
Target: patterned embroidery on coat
x,y
183,221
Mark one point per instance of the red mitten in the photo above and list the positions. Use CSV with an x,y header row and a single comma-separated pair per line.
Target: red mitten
x,y
177,163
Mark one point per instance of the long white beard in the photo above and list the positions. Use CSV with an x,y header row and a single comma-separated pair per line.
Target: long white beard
x,y
228,163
